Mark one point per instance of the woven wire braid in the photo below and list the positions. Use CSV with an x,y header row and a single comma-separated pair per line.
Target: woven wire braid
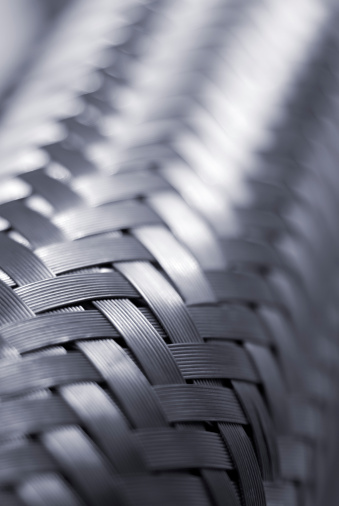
x,y
160,345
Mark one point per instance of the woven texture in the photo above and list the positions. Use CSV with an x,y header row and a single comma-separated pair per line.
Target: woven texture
x,y
159,346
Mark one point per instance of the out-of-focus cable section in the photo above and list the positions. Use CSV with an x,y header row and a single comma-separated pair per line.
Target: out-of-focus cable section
x,y
261,45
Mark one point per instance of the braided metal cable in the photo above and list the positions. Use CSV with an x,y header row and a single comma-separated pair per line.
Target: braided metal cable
x,y
168,298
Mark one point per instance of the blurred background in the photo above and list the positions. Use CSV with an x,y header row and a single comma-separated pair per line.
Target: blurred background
x,y
23,26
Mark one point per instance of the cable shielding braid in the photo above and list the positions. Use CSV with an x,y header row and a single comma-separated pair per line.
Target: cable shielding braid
x,y
168,322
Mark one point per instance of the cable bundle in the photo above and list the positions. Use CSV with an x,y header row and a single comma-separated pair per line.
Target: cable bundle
x,y
168,299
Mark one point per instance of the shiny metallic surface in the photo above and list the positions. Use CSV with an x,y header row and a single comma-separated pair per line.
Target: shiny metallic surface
x,y
168,254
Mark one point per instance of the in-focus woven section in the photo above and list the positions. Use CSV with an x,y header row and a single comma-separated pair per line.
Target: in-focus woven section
x,y
156,350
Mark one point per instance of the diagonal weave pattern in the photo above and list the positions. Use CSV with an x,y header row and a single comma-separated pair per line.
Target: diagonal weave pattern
x,y
157,345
